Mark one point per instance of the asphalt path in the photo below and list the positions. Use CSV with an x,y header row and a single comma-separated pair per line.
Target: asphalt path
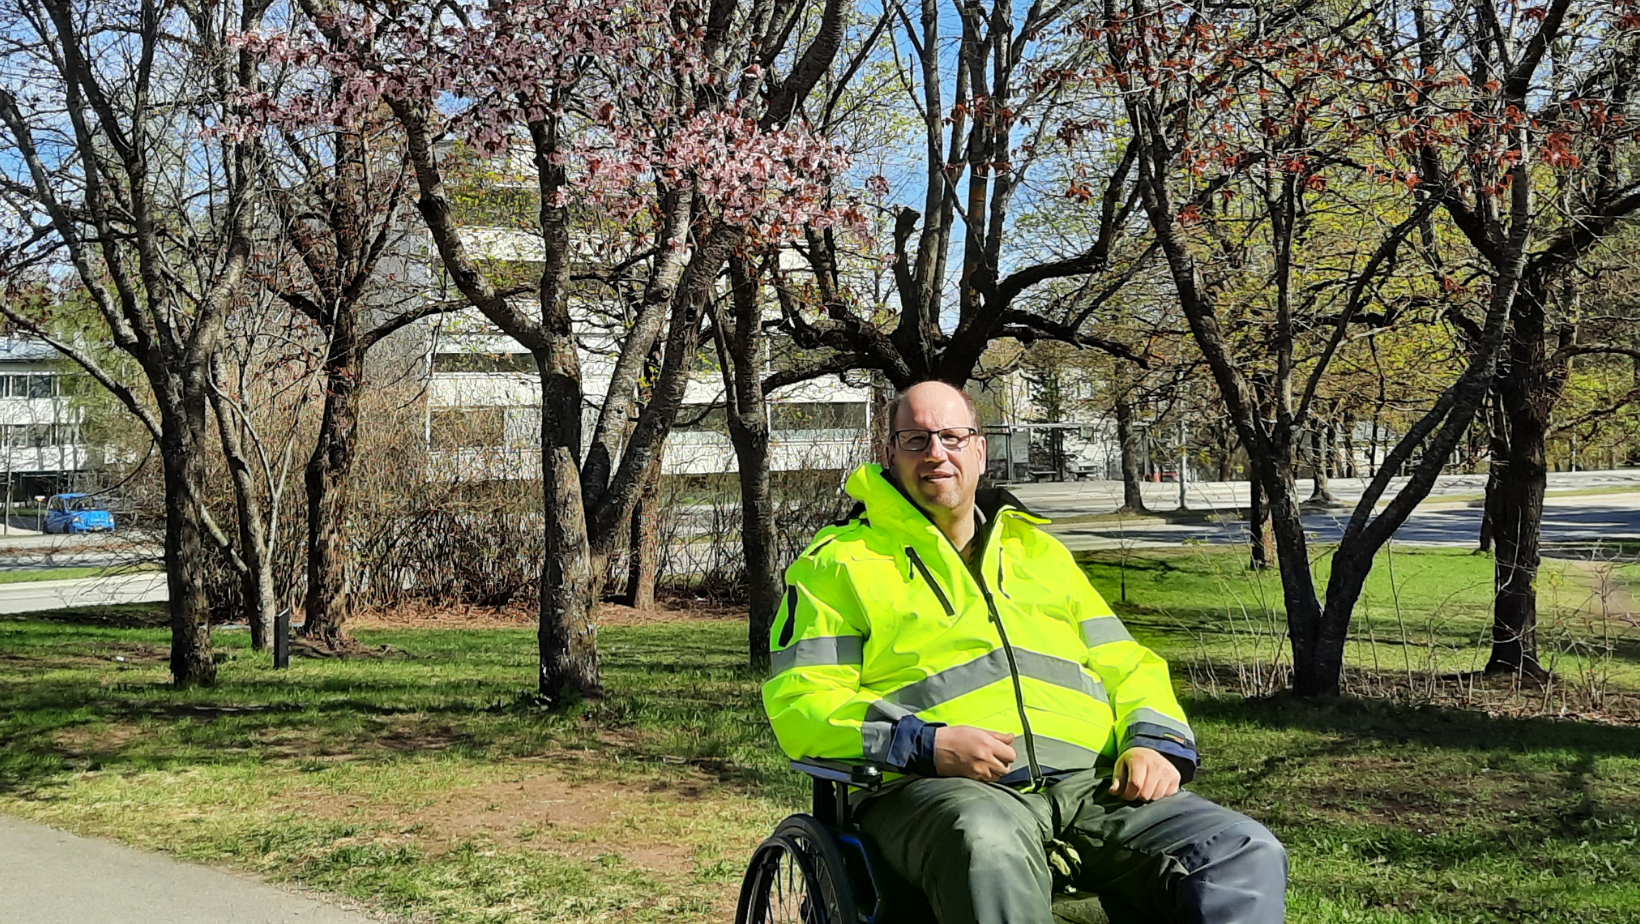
x,y
1579,524
1073,498
29,596
52,877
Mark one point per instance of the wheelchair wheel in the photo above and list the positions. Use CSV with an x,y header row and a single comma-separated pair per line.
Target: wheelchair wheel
x,y
797,876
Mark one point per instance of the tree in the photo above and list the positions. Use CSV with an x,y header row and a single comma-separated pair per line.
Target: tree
x,y
113,170
258,402
668,117
983,127
1581,187
338,198
1299,101
980,124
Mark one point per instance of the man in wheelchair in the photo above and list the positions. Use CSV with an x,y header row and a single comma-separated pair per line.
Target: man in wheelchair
x,y
941,634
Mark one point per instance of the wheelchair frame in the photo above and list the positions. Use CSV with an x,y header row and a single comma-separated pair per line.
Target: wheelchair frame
x,y
853,885
850,881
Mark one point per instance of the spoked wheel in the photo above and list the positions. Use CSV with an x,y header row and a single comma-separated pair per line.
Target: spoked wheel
x,y
797,876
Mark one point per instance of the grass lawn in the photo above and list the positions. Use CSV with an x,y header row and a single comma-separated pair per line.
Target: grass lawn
x,y
60,574
424,782
1423,613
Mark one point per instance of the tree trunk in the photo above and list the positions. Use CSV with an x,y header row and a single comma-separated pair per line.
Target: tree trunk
x,y
1498,449
1258,527
1133,498
182,444
1348,467
643,556
1320,447
1317,644
1372,445
256,575
567,640
327,600
758,537
1527,392
740,353
1519,511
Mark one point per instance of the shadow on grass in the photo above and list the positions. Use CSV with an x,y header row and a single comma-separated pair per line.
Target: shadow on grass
x,y
108,616
1433,727
675,695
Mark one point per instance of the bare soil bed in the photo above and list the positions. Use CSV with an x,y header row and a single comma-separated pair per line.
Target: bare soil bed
x,y
525,615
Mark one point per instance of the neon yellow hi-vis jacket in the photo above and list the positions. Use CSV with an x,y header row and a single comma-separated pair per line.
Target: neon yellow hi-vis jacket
x,y
886,632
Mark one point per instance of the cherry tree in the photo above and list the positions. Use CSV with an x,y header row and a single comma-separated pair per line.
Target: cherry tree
x,y
673,120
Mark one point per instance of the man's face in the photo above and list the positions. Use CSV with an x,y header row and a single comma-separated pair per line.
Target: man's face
x,y
936,478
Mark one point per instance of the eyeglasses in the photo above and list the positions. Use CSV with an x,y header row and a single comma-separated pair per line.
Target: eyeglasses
x,y
952,438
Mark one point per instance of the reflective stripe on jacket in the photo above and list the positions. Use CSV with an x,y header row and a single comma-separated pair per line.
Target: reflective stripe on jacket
x,y
883,618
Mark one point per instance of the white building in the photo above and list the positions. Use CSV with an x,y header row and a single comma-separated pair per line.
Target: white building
x,y
484,416
41,445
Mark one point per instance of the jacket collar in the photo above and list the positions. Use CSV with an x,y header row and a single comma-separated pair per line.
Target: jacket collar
x,y
884,502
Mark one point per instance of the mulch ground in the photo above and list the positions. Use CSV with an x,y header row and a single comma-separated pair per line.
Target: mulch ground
x,y
526,616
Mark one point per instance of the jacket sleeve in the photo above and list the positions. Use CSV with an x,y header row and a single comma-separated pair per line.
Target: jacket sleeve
x,y
813,694
1136,678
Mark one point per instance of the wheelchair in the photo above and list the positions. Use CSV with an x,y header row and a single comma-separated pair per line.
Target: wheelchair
x,y
817,869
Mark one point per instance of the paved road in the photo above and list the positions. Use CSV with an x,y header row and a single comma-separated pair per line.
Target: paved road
x,y
1577,521
28,596
51,877
39,559
1083,497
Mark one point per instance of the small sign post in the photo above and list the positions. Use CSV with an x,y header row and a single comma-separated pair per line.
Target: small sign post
x,y
281,639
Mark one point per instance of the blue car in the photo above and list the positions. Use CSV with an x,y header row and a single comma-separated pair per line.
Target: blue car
x,y
77,513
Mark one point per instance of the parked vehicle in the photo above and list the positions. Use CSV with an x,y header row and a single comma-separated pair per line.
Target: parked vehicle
x,y
77,513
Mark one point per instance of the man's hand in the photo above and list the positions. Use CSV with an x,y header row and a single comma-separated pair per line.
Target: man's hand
x,y
1143,774
978,754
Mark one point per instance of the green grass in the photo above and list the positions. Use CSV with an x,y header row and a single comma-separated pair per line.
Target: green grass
x,y
1423,613
59,574
424,781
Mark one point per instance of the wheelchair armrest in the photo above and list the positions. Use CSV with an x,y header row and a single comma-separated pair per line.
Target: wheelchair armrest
x,y
857,772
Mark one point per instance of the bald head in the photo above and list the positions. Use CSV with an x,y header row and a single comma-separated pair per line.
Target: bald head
x,y
938,478
932,389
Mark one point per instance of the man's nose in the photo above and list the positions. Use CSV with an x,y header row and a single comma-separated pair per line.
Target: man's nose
x,y
936,450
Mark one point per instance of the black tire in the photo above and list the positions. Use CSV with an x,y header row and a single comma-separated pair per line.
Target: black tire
x,y
797,876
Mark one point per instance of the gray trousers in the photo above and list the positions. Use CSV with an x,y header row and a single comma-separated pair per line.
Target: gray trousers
x,y
989,854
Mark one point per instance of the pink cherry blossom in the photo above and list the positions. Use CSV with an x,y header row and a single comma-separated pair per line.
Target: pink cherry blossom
x,y
621,80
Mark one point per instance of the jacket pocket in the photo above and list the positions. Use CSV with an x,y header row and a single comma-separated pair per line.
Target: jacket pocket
x,y
922,569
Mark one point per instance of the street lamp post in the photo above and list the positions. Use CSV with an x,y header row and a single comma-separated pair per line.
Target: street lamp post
x,y
1184,455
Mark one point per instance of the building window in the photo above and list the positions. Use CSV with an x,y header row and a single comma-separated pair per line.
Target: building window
x,y
468,428
35,436
523,427
699,419
514,363
818,415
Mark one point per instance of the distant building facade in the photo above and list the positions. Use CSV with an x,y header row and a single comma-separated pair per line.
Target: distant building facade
x,y
484,399
41,442
484,413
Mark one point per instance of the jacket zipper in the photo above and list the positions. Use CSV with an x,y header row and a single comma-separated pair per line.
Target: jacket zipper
x,y
928,576
1019,689
1007,647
